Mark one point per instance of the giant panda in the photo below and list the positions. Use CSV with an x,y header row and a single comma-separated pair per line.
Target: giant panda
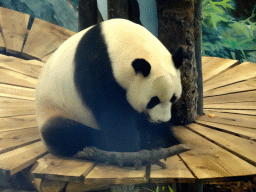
x,y
107,86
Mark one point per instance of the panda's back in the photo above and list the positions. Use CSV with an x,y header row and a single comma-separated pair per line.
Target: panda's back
x,y
55,86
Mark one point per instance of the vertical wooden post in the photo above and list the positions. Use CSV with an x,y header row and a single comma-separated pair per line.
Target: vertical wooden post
x,y
198,39
118,9
176,28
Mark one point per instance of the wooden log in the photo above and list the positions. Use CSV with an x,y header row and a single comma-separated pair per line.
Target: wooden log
x,y
45,185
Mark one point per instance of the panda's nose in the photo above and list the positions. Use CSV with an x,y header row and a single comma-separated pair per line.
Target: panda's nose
x,y
159,121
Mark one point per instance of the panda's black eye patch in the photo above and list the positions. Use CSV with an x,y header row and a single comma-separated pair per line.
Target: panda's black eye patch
x,y
153,102
173,98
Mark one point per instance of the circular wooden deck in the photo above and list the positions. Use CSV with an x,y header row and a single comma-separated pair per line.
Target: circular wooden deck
x,y
223,140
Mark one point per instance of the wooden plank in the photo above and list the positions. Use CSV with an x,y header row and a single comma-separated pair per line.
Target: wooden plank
x,y
247,85
17,92
14,29
14,78
175,169
19,159
14,139
217,66
206,59
241,72
115,175
17,112
208,160
244,148
243,105
44,38
30,68
62,169
229,119
11,103
244,132
17,122
231,98
243,112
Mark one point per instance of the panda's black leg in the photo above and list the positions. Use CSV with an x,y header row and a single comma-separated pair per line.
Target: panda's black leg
x,y
66,137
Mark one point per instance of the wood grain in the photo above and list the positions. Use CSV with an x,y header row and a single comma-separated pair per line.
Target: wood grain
x,y
14,29
44,38
17,122
208,160
247,85
241,72
13,139
19,159
62,169
229,119
241,105
115,175
217,66
244,132
206,59
175,169
13,78
243,112
231,98
244,148
17,92
13,103
30,68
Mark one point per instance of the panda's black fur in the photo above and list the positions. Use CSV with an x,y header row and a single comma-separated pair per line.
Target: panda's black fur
x,y
122,127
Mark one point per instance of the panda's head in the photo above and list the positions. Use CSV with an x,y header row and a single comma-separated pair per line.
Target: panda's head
x,y
153,91
143,66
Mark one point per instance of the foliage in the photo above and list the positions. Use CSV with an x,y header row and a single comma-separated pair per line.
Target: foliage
x,y
225,37
158,189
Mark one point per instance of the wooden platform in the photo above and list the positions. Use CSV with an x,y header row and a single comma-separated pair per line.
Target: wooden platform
x,y
223,141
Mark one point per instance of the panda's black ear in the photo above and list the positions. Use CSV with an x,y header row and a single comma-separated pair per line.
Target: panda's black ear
x,y
178,58
141,66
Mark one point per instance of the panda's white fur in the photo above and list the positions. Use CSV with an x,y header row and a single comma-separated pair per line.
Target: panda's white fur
x,y
55,91
75,75
138,42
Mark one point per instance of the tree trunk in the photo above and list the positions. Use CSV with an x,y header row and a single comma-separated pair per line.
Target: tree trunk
x,y
176,28
118,9
88,14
